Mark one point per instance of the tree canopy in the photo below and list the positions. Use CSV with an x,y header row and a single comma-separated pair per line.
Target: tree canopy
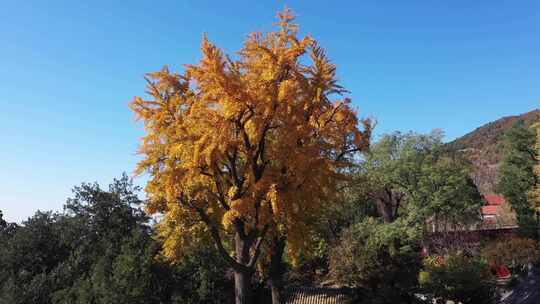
x,y
102,250
409,177
409,181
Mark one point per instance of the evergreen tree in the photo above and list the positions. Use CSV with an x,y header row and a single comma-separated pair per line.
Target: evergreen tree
x,y
101,250
535,194
516,175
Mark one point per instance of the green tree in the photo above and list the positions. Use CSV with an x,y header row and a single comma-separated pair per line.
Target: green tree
x,y
457,278
3,223
102,250
517,178
409,176
29,255
408,180
114,255
327,227
99,225
381,258
202,277
535,193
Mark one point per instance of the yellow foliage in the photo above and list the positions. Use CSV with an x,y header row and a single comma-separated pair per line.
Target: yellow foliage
x,y
260,139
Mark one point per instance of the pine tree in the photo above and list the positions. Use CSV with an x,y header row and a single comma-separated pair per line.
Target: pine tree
x,y
535,193
516,175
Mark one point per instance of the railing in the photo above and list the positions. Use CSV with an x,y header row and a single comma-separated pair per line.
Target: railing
x,y
314,295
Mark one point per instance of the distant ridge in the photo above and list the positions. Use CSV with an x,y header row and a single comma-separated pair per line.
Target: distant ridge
x,y
483,147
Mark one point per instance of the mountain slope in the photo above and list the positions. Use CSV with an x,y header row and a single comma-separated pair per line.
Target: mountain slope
x,y
483,147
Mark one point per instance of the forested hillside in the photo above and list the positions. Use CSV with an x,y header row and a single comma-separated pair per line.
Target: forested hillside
x,y
483,147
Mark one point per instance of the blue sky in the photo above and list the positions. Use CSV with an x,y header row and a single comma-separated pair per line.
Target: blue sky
x,y
68,70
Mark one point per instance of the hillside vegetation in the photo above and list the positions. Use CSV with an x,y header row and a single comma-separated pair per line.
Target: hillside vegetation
x,y
483,147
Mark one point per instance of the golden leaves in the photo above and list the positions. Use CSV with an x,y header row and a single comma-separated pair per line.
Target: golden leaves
x,y
257,139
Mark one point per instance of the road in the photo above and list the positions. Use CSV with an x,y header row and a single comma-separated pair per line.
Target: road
x,y
527,292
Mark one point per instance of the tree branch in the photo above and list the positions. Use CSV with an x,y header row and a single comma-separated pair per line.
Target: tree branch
x,y
257,253
217,239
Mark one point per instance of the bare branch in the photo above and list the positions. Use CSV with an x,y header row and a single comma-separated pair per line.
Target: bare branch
x,y
257,252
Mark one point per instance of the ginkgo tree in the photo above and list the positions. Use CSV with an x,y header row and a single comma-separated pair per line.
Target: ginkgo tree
x,y
239,149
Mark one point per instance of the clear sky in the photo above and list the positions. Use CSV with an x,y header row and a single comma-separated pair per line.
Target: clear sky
x,y
68,70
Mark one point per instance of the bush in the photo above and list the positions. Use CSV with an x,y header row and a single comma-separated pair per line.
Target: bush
x,y
379,259
457,278
514,252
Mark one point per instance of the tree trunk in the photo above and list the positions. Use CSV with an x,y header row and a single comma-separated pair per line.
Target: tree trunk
x,y
384,209
537,232
242,287
387,204
242,278
276,287
277,269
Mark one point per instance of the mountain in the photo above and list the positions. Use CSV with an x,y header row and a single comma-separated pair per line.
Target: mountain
x,y
483,148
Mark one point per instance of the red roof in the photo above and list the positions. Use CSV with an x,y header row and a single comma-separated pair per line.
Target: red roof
x,y
489,210
493,202
493,199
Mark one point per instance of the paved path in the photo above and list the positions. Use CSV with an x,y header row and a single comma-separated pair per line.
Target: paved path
x,y
527,292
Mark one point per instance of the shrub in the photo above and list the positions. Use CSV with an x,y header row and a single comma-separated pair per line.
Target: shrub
x,y
379,259
459,278
514,252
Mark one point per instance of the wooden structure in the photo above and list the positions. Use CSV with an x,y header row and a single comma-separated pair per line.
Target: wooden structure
x,y
316,295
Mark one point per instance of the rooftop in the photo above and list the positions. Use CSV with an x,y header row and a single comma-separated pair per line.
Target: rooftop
x,y
493,199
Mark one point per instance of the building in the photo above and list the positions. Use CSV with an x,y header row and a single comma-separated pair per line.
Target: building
x,y
497,220
497,214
